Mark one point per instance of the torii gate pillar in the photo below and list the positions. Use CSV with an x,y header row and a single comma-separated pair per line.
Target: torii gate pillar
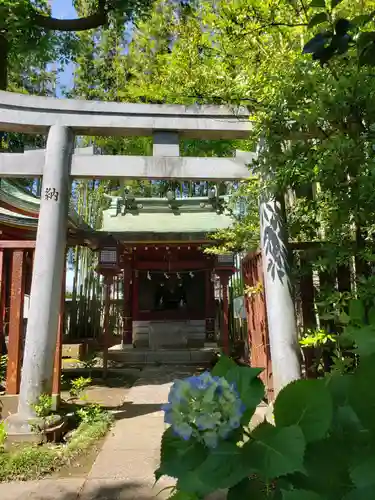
x,y
282,329
48,273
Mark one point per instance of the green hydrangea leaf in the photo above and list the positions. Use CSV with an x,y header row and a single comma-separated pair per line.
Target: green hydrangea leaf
x,y
223,366
361,392
363,337
357,311
301,495
181,495
327,468
249,387
252,488
338,386
224,467
190,483
308,404
178,456
345,421
361,494
362,474
273,452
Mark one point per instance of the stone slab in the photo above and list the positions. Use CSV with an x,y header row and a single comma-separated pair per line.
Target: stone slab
x,y
61,489
46,489
8,405
139,465
134,435
110,489
76,351
17,490
182,356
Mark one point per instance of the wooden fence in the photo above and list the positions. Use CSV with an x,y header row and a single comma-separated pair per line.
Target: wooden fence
x,y
256,313
309,286
84,312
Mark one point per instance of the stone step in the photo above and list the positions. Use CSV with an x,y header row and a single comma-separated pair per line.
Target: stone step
x,y
136,356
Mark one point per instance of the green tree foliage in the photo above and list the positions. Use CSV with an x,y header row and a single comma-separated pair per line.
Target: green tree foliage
x,y
317,122
28,31
340,35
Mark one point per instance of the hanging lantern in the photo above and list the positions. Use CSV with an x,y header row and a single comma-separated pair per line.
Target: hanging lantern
x,y
225,261
108,257
109,260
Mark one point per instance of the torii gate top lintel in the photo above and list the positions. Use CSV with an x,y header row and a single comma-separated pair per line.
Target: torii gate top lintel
x,y
35,114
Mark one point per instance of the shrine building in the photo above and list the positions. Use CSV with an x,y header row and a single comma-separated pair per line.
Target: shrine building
x,y
168,275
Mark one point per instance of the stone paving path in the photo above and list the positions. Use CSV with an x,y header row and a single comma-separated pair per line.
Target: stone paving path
x,y
125,465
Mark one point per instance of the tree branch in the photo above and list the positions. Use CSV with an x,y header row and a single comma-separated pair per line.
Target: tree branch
x,y
99,18
287,25
81,24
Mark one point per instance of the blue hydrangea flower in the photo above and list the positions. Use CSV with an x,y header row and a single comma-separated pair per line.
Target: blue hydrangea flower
x,y
203,407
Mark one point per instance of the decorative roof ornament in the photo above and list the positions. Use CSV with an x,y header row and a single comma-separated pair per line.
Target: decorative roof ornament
x,y
170,195
128,200
212,193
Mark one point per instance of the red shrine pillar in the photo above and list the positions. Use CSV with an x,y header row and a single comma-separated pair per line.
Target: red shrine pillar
x,y
16,323
135,294
108,280
2,301
209,308
224,268
224,280
127,337
56,381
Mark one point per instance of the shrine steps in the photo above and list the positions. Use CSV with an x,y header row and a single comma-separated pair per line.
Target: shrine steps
x,y
128,355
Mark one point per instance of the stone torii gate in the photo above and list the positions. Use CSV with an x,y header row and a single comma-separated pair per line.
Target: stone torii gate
x,y
62,120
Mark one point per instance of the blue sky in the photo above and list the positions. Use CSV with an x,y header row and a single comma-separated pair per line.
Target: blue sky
x,y
64,9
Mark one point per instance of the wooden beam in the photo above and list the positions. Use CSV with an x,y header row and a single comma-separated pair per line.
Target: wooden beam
x,y
30,244
17,244
2,302
16,322
178,265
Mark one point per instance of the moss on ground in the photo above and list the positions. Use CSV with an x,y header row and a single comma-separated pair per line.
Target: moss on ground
x,y
34,462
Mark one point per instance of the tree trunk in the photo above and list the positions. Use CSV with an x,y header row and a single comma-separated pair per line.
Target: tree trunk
x,y
3,62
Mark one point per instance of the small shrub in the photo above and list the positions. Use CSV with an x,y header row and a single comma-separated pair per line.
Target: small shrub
x,y
3,435
90,413
43,407
43,411
34,462
78,386
89,361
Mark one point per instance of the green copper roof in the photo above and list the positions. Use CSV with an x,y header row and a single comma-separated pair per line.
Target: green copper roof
x,y
149,217
17,196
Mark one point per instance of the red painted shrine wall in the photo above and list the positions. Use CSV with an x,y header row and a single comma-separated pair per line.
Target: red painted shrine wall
x,y
16,262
